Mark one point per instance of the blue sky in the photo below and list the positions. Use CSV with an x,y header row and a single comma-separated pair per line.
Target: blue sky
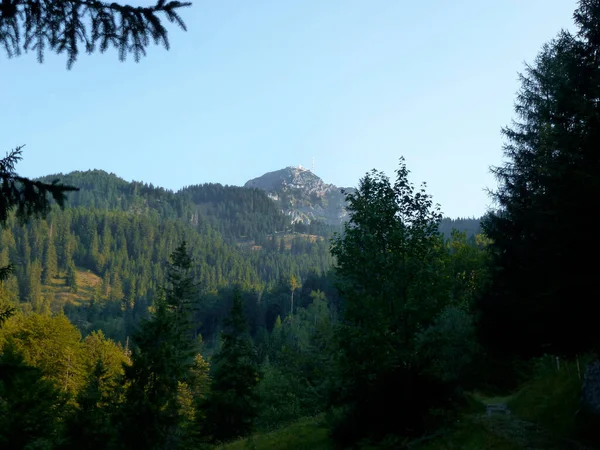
x,y
255,86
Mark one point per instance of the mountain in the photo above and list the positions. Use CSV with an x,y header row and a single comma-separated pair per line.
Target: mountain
x,y
303,196
235,212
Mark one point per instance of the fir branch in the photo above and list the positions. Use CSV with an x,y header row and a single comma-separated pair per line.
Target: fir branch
x,y
63,26
6,313
5,272
28,198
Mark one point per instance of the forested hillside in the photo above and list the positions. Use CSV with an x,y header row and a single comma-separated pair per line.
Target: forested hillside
x,y
235,212
123,233
134,317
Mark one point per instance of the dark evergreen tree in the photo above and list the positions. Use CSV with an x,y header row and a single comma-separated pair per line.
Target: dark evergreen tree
x,y
232,403
64,26
25,197
50,262
72,278
161,359
540,300
90,427
31,407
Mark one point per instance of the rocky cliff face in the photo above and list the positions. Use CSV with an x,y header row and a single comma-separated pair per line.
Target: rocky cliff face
x,y
303,196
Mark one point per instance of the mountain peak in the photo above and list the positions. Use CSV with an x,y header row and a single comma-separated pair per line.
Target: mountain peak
x,y
302,195
292,177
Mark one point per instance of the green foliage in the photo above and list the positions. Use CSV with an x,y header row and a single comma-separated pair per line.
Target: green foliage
x,y
551,395
31,406
123,232
391,267
51,344
90,426
279,399
26,197
309,433
541,277
470,226
448,348
232,404
160,361
71,278
50,261
469,434
65,26
234,211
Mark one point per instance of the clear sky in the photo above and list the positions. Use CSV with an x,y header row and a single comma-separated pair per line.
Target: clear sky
x,y
257,85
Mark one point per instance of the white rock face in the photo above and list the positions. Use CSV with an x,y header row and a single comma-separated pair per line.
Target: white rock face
x,y
303,195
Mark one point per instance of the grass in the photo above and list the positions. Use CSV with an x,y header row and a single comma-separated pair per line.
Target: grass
x,y
468,434
544,414
309,433
551,397
60,294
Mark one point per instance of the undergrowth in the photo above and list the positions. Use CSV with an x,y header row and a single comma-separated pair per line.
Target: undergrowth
x,y
551,398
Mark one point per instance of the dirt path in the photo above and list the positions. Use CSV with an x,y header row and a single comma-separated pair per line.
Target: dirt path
x,y
527,435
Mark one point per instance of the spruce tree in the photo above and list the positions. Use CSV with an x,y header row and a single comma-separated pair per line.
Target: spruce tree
x,y
90,427
541,297
161,359
50,262
232,404
70,26
32,407
72,278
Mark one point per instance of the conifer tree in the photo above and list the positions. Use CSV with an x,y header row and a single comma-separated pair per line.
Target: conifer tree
x,y
233,401
161,359
540,301
70,26
72,278
90,427
293,284
31,406
24,197
50,262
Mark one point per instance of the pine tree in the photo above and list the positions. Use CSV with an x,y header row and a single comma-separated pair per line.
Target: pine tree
x,y
232,403
68,25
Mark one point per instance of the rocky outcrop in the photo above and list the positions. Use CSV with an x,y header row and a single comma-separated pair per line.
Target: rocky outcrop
x,y
303,196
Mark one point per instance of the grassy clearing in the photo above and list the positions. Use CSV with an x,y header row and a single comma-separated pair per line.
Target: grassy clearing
x,y
309,433
60,294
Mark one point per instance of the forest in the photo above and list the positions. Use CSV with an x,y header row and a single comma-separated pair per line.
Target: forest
x,y
136,317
